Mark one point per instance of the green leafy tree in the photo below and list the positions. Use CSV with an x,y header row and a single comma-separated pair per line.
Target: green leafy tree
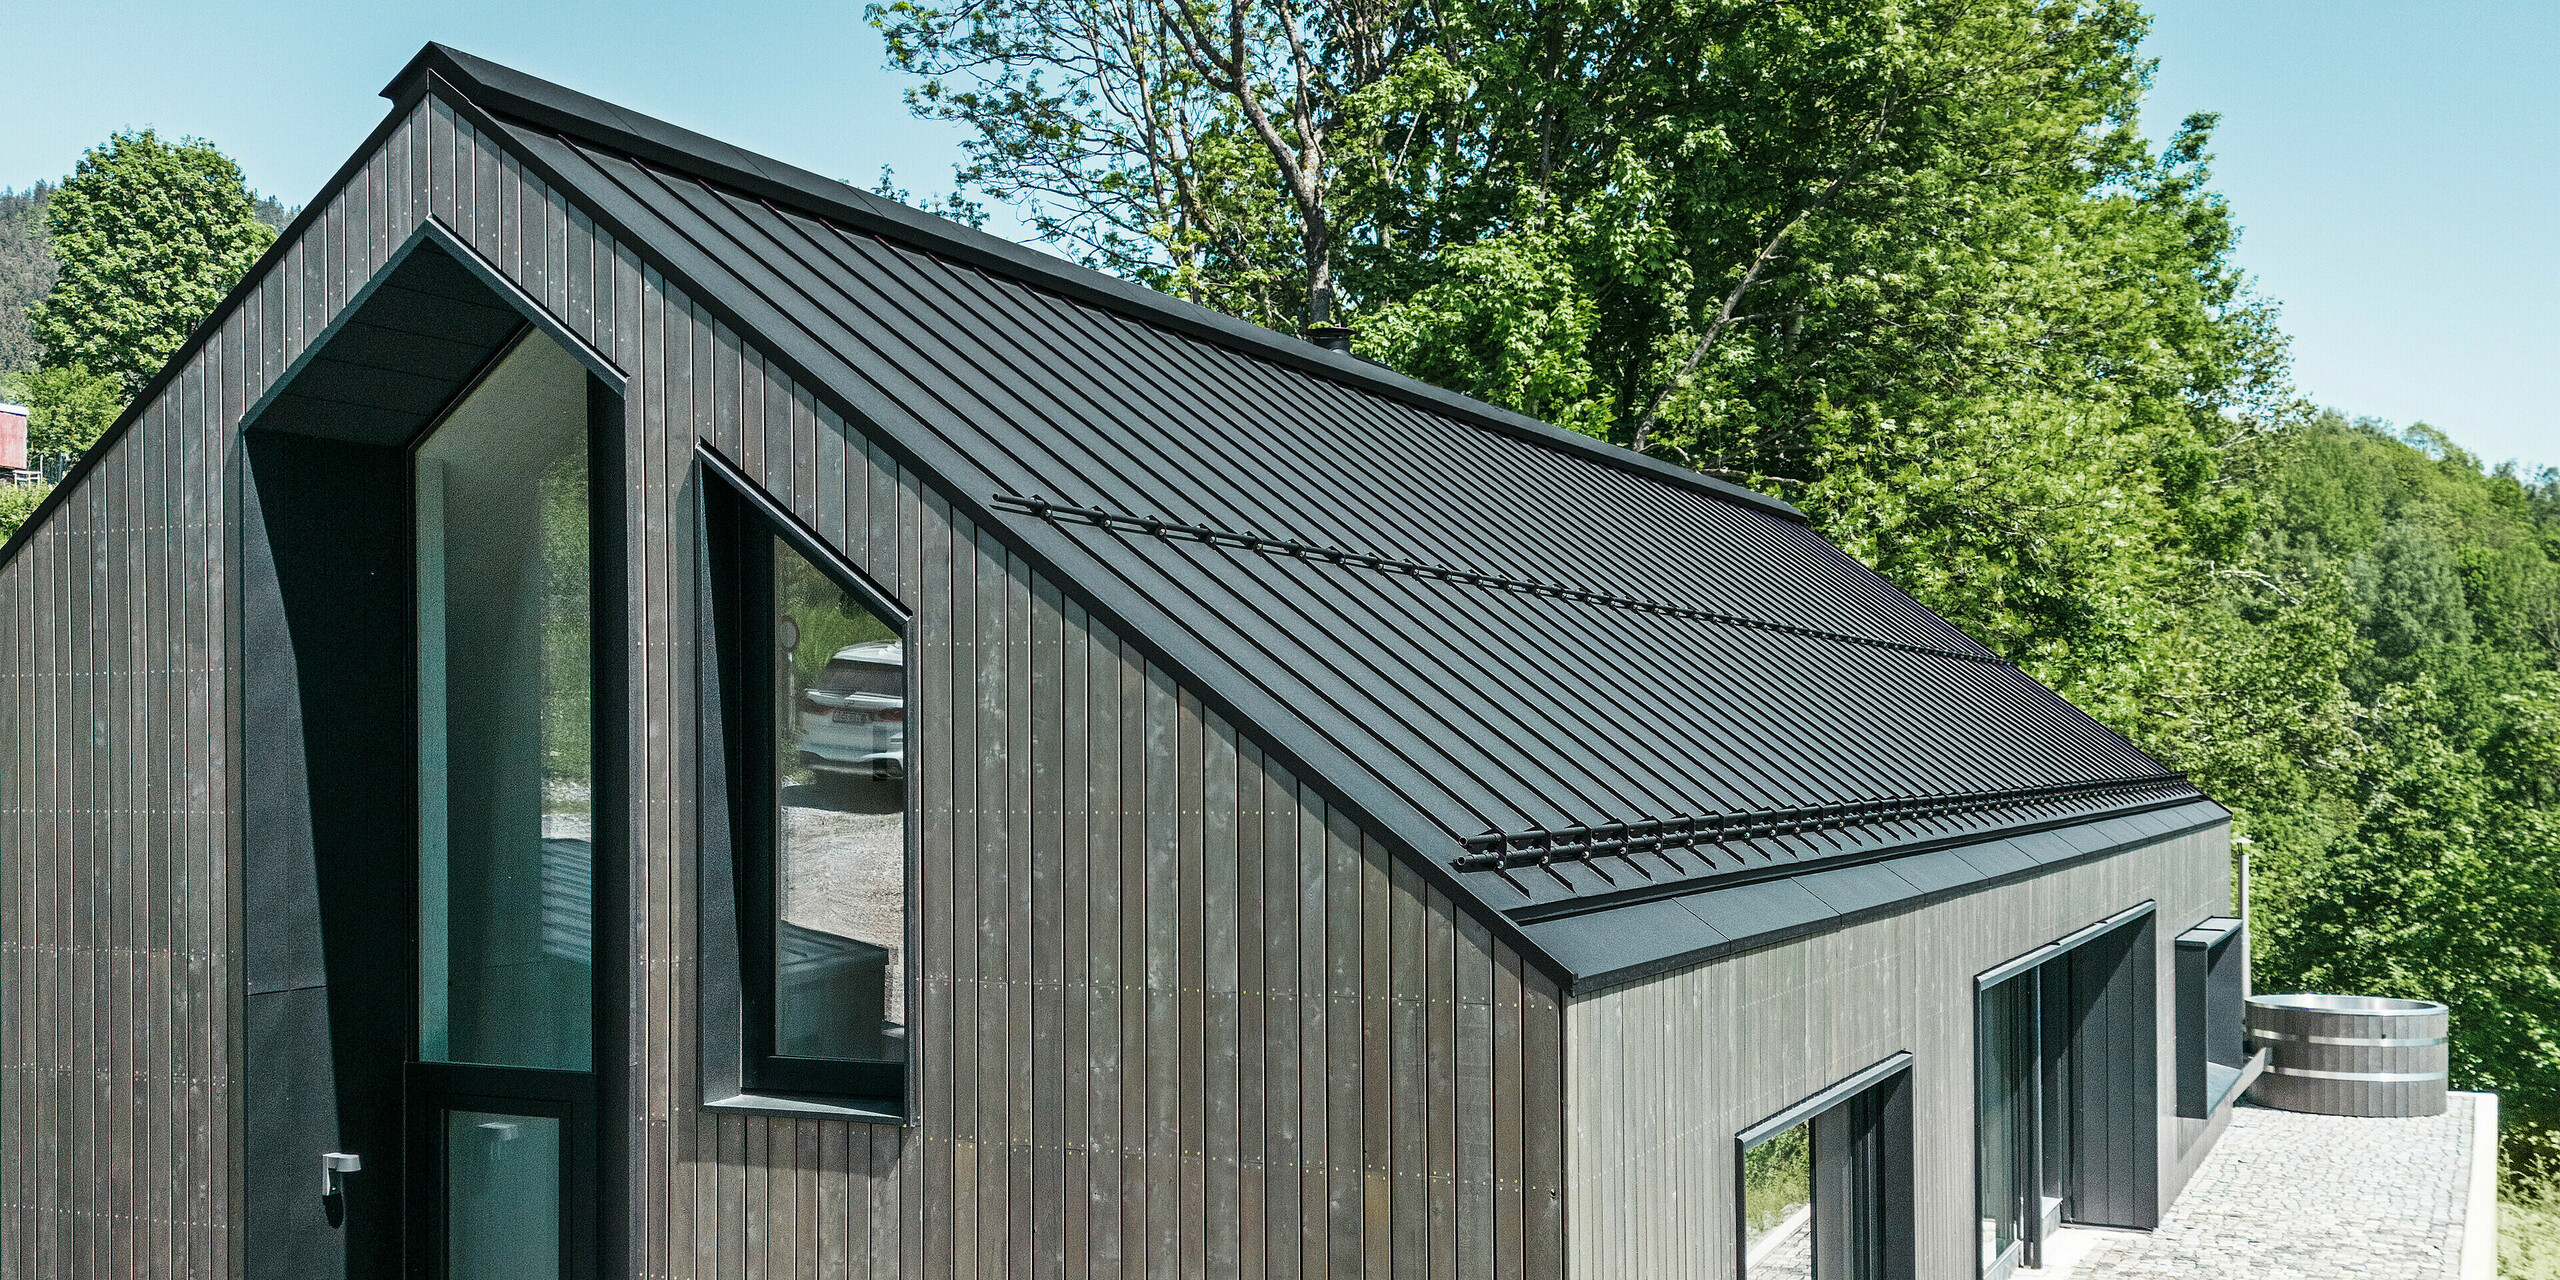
x,y
2446,888
1195,145
17,502
150,234
68,408
2409,593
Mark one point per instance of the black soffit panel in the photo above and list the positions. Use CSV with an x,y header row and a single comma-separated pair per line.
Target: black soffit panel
x,y
405,348
1634,716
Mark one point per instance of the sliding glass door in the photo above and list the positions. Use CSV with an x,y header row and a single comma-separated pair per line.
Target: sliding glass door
x,y
2066,1102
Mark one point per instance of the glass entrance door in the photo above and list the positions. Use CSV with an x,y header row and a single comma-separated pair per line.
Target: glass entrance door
x,y
501,1092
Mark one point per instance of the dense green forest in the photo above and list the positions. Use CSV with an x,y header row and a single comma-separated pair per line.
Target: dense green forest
x,y
1919,268
26,273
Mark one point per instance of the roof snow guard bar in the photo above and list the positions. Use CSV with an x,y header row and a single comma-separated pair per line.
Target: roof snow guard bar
x,y
1504,850
1162,528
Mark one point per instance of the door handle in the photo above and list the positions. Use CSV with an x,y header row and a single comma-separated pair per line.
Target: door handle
x,y
334,1168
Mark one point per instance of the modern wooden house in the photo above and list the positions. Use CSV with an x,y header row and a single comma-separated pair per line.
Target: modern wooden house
x,y
623,709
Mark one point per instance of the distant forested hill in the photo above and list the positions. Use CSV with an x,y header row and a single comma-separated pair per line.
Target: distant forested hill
x,y
26,272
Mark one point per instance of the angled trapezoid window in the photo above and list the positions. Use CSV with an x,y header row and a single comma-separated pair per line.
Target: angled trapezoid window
x,y
814,674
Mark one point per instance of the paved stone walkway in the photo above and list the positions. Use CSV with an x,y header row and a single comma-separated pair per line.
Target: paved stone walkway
x,y
2285,1196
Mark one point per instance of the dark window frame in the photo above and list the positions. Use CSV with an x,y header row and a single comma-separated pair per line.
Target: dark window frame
x,y
1879,1157
594,1190
2210,1034
739,830
436,1089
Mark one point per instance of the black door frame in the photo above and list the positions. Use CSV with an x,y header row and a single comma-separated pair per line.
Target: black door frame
x,y
1872,1163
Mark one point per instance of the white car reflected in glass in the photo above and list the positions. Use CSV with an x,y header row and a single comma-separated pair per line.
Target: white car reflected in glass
x,y
853,716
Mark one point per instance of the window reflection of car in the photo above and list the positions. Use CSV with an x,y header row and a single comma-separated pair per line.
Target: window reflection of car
x,y
853,716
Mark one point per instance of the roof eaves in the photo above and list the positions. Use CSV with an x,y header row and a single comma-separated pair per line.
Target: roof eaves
x,y
1623,944
506,91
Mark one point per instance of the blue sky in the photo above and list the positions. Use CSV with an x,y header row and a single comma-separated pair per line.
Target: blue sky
x,y
2396,165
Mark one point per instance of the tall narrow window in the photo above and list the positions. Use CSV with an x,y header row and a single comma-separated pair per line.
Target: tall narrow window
x,y
813,724
2007,1057
505,722
515,647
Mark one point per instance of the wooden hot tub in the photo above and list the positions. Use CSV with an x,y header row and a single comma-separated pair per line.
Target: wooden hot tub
x,y
2350,1055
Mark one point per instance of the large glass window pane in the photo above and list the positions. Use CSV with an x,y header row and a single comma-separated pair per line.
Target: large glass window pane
x,y
1777,1207
504,716
2004,1081
840,879
502,1196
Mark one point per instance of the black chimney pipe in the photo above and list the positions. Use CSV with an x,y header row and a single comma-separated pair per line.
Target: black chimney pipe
x,y
1331,337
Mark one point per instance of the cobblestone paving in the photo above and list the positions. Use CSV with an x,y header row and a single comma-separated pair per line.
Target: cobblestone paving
x,y
2298,1197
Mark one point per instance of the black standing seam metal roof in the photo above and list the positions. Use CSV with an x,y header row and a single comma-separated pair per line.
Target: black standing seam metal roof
x,y
1582,687
1633,716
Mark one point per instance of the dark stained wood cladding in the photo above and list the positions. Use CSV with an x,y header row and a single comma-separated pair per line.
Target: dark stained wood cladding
x,y
1179,1018
117,1152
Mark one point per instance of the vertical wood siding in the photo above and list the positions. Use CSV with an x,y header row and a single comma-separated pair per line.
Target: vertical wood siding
x,y
1179,1018
1663,1073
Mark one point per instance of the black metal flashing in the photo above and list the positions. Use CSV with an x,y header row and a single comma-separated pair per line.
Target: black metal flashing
x,y
1625,944
1831,1096
2209,932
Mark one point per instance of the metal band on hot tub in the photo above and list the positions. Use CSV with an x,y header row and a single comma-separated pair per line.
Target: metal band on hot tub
x,y
2366,1077
2360,1042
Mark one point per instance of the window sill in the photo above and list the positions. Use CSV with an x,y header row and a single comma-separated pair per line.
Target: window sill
x,y
803,1107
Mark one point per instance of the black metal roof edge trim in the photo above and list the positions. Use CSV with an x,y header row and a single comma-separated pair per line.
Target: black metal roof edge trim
x,y
1130,615
1824,1099
537,101
1210,535
1666,890
403,102
1591,983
